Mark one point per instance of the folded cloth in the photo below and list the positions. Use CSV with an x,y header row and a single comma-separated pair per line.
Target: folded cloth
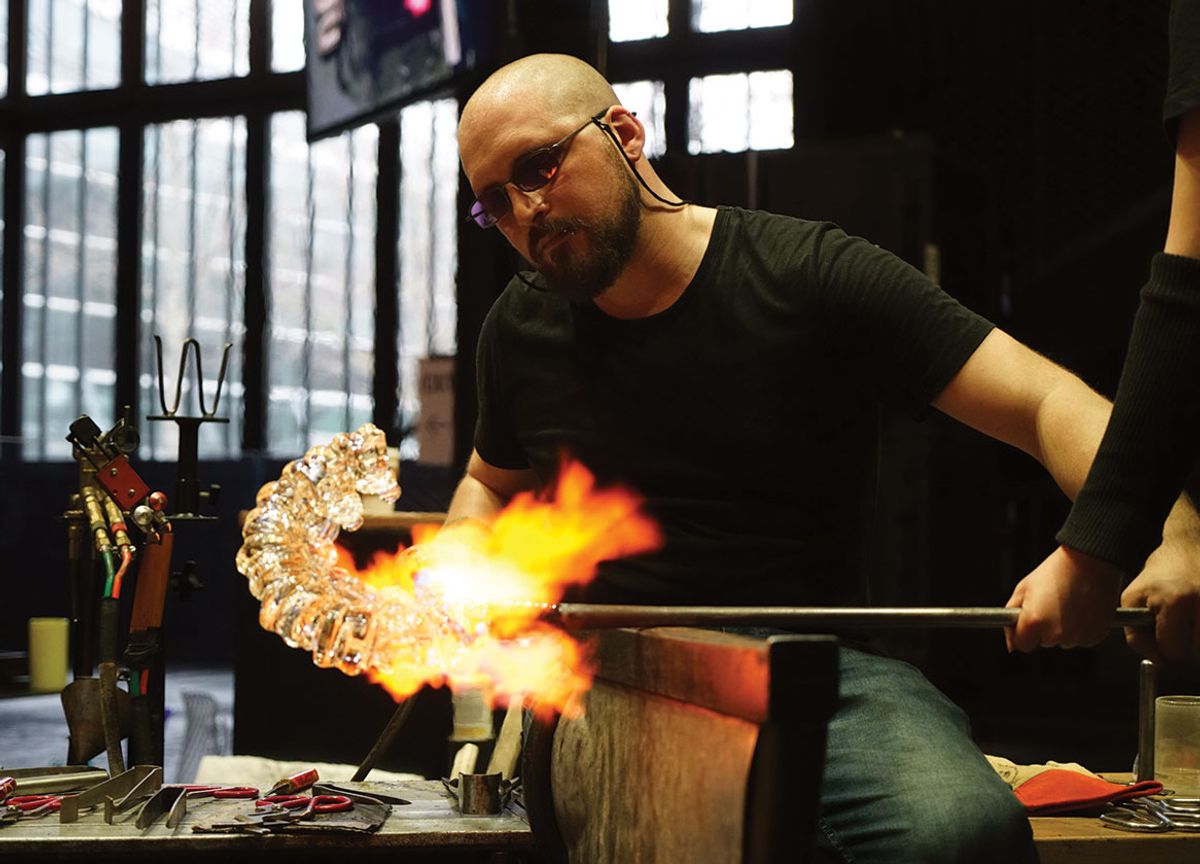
x,y
1058,791
1061,788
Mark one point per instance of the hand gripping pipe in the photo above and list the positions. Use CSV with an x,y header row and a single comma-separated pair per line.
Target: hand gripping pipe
x,y
288,556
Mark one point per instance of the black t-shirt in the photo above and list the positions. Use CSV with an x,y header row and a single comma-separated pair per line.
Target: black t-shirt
x,y
745,414
1183,79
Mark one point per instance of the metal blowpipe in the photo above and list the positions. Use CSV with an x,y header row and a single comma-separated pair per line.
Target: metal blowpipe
x,y
588,616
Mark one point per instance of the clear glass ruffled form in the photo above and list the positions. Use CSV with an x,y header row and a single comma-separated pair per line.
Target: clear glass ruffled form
x,y
288,557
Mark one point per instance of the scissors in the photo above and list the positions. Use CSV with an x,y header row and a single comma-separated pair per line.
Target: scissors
x,y
29,807
280,808
194,790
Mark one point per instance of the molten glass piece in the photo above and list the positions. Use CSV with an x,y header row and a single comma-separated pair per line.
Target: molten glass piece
x,y
461,606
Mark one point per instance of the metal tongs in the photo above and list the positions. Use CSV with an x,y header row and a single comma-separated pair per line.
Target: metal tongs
x,y
1154,815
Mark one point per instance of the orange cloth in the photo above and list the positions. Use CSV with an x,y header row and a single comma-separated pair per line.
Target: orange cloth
x,y
1059,791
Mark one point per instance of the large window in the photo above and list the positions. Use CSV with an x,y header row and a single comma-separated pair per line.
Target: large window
x,y
193,269
69,296
321,284
677,65
740,112
428,246
186,203
73,45
269,247
188,40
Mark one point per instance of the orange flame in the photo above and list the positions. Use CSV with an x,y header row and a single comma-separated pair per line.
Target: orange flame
x,y
494,581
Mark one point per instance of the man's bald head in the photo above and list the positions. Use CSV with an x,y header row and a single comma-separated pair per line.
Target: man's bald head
x,y
546,85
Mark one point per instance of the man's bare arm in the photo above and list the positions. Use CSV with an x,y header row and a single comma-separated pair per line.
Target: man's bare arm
x,y
1013,394
485,489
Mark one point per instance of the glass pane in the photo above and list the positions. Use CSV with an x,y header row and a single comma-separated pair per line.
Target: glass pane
x,y
73,45
428,246
69,297
711,15
3,49
630,20
287,35
3,156
648,99
321,284
740,112
187,40
193,270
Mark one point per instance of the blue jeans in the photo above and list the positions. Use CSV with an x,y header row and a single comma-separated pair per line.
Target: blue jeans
x,y
903,780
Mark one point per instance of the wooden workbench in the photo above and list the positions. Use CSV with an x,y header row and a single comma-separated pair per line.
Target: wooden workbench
x,y
412,833
1085,840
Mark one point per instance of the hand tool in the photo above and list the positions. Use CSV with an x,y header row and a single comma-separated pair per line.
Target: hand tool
x,y
394,725
201,791
164,799
144,653
175,801
69,778
146,788
590,616
143,779
297,782
1152,816
29,807
358,796
278,811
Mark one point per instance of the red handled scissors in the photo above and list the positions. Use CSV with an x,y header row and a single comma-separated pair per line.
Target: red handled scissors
x,y
29,807
200,791
311,803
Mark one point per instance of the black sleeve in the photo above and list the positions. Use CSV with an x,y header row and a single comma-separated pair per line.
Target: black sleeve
x,y
909,335
495,440
1151,440
1183,79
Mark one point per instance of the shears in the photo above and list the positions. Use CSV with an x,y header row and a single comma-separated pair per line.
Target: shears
x,y
29,807
281,810
195,790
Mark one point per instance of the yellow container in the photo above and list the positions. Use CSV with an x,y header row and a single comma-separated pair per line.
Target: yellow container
x,y
47,654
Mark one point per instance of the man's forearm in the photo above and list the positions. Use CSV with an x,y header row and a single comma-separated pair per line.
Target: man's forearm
x,y
474,500
1070,424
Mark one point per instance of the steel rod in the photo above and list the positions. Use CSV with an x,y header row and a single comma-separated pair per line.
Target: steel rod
x,y
587,616
380,748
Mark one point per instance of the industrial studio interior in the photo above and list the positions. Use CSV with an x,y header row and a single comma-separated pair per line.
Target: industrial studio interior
x,y
241,369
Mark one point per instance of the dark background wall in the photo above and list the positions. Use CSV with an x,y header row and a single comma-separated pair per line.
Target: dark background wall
x,y
1022,140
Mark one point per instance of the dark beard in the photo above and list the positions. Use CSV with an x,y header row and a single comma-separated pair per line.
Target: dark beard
x,y
583,277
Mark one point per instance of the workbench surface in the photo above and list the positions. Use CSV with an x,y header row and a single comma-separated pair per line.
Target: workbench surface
x,y
1086,840
430,822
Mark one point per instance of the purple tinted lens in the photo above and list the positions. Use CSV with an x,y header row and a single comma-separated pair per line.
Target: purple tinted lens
x,y
489,208
537,169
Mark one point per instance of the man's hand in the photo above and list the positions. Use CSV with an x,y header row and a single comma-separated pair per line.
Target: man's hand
x,y
1169,585
1068,601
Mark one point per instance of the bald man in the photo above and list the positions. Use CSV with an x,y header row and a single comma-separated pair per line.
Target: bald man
x,y
729,365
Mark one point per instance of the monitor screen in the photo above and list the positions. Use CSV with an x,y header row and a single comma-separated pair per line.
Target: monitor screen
x,y
368,57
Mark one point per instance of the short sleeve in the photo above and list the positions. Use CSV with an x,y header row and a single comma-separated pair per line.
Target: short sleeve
x,y
495,440
908,336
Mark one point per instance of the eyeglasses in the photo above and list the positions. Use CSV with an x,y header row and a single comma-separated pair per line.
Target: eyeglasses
x,y
530,172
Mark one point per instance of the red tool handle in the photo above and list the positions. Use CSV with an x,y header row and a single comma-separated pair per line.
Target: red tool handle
x,y
26,803
314,804
296,783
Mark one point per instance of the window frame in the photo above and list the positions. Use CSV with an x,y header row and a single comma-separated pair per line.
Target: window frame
x,y
685,53
131,107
